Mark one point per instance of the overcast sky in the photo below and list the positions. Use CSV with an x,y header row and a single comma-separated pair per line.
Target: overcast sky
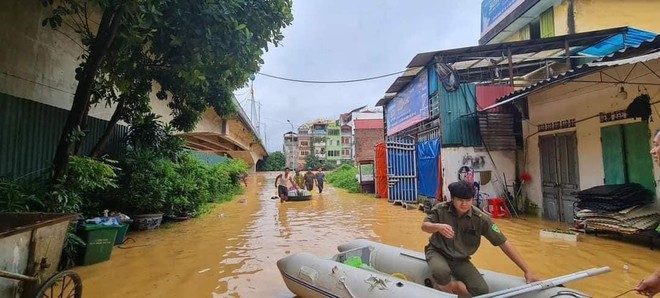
x,y
351,39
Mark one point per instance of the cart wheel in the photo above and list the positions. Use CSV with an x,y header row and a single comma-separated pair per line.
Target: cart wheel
x,y
66,284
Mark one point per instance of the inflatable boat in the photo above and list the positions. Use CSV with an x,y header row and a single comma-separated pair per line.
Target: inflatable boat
x,y
365,268
300,195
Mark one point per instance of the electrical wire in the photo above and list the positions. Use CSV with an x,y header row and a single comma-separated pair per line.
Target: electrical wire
x,y
331,82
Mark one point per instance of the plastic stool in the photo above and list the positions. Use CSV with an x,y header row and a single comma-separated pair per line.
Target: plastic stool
x,y
497,208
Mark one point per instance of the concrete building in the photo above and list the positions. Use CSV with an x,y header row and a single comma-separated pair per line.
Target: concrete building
x,y
349,119
445,101
333,143
367,133
304,143
290,150
329,140
505,21
579,133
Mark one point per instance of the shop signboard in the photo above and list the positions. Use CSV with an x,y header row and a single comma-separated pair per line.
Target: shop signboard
x,y
409,106
494,11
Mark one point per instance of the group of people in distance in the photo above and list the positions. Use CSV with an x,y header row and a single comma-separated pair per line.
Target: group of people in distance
x,y
286,181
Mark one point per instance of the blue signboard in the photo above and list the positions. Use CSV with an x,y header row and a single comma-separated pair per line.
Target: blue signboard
x,y
409,106
493,11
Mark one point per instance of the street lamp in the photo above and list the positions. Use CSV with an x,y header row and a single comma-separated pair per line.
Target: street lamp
x,y
291,124
294,154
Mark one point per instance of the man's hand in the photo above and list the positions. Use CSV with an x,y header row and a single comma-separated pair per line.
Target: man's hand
x,y
649,286
530,277
446,231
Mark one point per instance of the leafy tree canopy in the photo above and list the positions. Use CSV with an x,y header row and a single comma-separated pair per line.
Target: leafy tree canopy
x,y
274,162
192,53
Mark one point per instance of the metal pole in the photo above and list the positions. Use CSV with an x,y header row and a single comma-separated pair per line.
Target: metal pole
x,y
252,111
548,283
510,58
259,119
17,276
414,171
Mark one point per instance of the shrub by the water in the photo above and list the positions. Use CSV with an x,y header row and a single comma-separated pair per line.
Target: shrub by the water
x,y
344,177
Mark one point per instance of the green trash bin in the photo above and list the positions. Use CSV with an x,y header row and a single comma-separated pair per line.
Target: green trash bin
x,y
99,240
121,233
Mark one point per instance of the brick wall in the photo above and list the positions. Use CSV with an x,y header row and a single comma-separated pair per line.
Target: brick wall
x,y
365,142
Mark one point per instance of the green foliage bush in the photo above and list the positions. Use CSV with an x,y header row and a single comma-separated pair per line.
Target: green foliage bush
x,y
344,177
274,162
152,184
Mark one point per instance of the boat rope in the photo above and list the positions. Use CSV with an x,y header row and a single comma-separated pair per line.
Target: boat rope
x,y
626,292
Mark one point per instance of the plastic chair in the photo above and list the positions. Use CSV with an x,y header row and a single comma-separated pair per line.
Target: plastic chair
x,y
497,208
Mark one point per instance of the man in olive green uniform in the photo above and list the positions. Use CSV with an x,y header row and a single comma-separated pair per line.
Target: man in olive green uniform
x,y
456,229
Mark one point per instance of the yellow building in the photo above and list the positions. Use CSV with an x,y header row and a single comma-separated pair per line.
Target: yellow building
x,y
513,20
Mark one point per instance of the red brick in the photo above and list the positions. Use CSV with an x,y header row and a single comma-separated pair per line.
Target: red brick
x,y
365,143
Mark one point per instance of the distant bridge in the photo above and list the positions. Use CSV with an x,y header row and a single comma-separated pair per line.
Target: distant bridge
x,y
234,137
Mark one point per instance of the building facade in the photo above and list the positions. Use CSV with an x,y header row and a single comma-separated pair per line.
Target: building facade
x,y
583,135
328,140
333,143
367,134
504,21
290,150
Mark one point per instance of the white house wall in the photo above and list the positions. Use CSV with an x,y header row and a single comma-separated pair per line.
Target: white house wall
x,y
453,158
36,62
584,102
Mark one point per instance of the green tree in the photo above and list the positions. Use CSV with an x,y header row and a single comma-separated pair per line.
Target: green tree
x,y
194,53
312,162
274,162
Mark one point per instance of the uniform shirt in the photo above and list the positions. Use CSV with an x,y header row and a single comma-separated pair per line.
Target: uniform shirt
x,y
309,178
468,230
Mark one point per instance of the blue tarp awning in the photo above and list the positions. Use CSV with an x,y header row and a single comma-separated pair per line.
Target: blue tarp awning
x,y
631,37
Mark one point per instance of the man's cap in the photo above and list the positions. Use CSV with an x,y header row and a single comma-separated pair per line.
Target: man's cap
x,y
461,190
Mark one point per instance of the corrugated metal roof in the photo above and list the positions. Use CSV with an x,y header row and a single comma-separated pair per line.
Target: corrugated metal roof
x,y
369,124
630,38
487,95
404,79
646,51
525,54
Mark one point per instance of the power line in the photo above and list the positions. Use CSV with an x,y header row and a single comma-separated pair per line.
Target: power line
x,y
331,82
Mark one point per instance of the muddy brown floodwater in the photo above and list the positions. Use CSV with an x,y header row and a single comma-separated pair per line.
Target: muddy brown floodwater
x,y
232,251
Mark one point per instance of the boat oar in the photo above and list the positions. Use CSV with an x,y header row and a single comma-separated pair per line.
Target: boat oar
x,y
546,284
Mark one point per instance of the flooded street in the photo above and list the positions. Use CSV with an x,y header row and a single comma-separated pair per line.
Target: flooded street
x,y
232,251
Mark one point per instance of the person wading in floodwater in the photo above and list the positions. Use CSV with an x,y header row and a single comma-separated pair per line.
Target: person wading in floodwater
x,y
320,177
283,182
309,180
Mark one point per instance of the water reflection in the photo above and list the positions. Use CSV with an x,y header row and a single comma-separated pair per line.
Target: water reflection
x,y
232,251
